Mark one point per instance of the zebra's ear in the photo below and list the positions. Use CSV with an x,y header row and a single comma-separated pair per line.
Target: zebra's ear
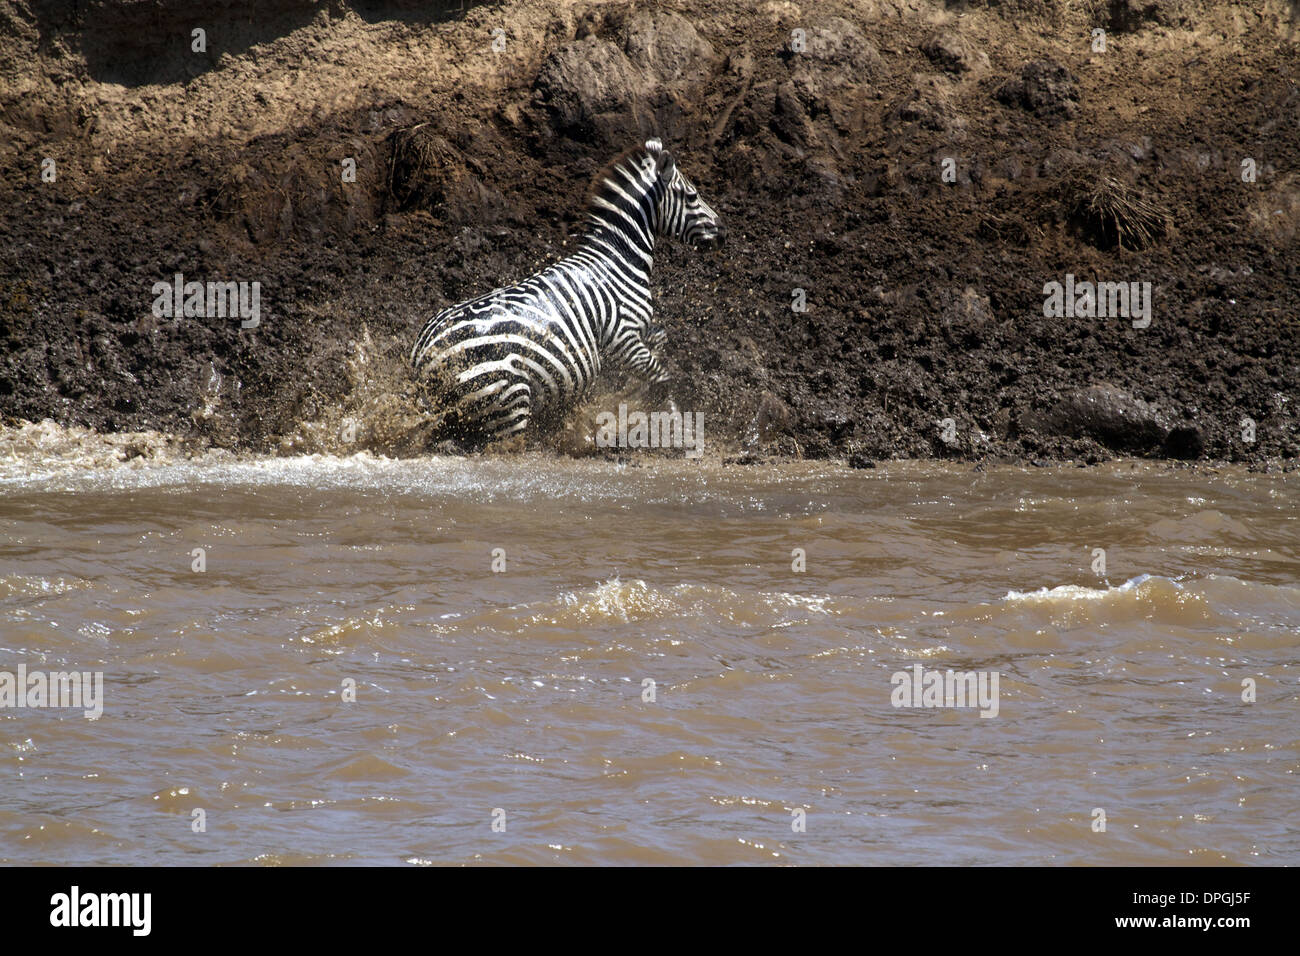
x,y
663,160
665,166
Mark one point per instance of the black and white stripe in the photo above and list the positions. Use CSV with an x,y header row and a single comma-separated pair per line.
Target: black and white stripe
x,y
529,352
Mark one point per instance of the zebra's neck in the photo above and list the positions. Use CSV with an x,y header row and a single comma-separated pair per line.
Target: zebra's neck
x,y
621,219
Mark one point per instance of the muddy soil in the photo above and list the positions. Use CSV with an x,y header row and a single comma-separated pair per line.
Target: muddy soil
x,y
903,180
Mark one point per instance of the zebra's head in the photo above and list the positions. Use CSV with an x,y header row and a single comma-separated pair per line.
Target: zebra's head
x,y
681,212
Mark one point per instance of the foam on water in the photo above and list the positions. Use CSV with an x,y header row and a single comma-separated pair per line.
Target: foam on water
x,y
1145,597
1068,593
1211,597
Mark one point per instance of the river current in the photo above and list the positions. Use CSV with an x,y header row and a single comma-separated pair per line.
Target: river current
x,y
534,659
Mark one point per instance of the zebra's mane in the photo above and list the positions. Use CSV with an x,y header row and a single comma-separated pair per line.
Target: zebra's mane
x,y
608,172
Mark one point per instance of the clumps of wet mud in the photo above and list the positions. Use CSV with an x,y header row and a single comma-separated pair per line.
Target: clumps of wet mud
x,y
1044,88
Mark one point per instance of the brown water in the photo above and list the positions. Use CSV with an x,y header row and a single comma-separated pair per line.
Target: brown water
x,y
523,690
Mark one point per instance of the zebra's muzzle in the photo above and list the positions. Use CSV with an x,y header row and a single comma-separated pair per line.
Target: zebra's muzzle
x,y
712,239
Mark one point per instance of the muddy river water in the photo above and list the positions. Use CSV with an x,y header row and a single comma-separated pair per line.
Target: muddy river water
x,y
528,659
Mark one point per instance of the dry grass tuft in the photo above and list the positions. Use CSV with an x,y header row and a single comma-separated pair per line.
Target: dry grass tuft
x,y
420,164
1112,213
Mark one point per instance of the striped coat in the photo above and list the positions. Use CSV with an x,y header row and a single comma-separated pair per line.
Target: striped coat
x,y
527,353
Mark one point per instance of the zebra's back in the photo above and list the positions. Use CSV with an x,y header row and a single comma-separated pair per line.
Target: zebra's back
x,y
519,352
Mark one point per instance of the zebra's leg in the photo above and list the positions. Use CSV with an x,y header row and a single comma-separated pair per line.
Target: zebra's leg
x,y
510,412
481,414
645,364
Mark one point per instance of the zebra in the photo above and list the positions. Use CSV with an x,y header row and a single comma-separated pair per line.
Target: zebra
x,y
525,354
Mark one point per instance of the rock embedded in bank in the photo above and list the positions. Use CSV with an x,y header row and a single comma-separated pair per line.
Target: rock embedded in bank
x,y
600,85
589,87
1119,421
1044,88
668,48
951,52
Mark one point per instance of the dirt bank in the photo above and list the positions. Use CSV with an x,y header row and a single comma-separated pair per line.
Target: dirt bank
x,y
822,131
